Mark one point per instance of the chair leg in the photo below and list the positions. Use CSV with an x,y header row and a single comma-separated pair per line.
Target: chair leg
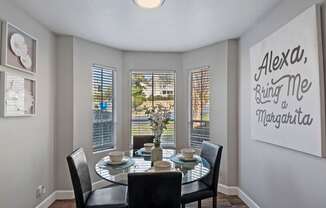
x,y
214,202
199,203
183,205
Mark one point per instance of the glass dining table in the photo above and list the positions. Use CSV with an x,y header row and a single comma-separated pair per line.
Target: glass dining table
x,y
141,163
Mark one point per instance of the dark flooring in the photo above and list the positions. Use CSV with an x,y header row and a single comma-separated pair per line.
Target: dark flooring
x,y
223,201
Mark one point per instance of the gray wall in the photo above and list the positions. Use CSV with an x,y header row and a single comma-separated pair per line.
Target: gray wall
x,y
27,143
74,101
221,58
63,144
85,55
274,176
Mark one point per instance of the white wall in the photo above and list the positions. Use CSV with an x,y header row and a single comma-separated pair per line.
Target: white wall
x,y
27,149
223,75
274,176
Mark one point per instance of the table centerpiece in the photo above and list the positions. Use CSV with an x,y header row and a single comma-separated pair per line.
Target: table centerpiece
x,y
159,117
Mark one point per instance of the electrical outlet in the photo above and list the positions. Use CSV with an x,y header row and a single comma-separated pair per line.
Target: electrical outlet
x,y
40,191
43,190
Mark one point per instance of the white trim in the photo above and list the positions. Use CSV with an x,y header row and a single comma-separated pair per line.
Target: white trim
x,y
47,201
67,194
228,190
64,194
56,195
235,190
244,197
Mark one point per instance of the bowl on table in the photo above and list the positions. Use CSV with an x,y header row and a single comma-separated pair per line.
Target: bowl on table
x,y
148,147
188,153
116,156
162,165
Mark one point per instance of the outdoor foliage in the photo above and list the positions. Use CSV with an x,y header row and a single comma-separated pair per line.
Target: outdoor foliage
x,y
138,94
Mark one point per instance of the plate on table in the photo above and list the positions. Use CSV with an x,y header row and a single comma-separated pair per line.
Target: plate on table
x,y
142,152
194,159
146,152
124,160
153,170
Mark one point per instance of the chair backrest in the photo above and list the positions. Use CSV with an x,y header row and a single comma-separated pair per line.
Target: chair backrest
x,y
154,190
80,176
140,140
212,153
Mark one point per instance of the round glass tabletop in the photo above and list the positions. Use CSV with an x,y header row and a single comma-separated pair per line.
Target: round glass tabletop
x,y
118,174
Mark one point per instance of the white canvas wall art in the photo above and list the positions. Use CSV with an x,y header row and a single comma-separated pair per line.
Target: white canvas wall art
x,y
287,91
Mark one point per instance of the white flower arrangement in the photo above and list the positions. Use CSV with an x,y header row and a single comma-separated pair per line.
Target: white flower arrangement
x,y
159,117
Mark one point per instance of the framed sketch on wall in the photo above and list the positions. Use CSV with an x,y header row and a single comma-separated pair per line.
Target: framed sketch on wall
x,y
287,86
18,95
18,49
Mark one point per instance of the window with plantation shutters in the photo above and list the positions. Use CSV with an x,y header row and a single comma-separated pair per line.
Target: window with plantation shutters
x,y
103,109
150,89
199,107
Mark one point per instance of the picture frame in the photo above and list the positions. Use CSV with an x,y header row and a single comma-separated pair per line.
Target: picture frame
x,y
18,95
19,49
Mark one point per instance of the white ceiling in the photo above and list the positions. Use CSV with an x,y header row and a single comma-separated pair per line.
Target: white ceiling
x,y
179,25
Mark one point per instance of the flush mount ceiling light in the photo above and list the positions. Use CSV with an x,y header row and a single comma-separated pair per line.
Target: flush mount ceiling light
x,y
149,4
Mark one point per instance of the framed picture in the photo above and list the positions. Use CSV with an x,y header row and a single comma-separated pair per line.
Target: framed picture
x,y
18,49
18,95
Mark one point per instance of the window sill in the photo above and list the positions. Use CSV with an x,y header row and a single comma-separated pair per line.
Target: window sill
x,y
100,152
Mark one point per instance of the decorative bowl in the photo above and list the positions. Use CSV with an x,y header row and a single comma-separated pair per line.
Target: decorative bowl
x,y
148,147
116,156
162,165
188,153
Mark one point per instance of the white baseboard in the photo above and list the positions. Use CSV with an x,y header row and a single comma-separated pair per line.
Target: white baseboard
x,y
47,201
56,195
234,190
244,197
64,194
228,190
69,194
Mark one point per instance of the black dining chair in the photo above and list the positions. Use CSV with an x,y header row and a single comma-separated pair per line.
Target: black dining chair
x,y
154,190
206,187
140,140
110,197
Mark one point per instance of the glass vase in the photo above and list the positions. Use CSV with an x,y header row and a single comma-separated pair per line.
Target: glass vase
x,y
157,152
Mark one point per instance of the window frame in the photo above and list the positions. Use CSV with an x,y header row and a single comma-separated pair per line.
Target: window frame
x,y
190,71
131,71
114,109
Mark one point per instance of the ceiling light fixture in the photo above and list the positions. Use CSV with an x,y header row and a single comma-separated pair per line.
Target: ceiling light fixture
x,y
149,4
